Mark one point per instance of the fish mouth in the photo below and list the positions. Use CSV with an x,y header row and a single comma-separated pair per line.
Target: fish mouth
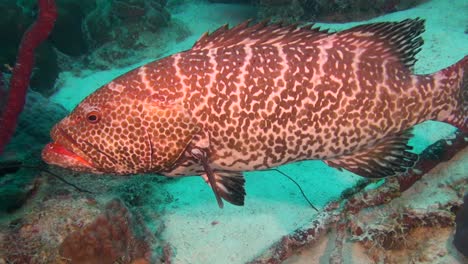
x,y
63,151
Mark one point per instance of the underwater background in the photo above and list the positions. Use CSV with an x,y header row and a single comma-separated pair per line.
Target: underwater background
x,y
152,219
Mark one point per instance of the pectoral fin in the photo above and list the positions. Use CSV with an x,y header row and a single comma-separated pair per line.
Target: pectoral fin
x,y
388,157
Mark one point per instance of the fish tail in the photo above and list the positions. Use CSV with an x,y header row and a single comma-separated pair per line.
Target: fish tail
x,y
453,83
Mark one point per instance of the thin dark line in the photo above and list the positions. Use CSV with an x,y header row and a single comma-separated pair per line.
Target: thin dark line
x,y
297,184
62,179
101,151
20,165
151,149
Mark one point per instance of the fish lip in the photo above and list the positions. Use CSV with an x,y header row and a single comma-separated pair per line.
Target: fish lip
x,y
61,138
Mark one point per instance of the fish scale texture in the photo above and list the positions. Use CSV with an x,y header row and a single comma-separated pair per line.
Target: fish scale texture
x,y
259,96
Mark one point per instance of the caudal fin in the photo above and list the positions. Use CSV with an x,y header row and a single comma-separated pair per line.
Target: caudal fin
x,y
454,80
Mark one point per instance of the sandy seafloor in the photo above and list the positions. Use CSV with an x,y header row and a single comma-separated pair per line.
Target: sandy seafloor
x,y
274,206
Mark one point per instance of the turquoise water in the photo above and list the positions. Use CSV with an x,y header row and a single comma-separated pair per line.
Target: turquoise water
x,y
153,219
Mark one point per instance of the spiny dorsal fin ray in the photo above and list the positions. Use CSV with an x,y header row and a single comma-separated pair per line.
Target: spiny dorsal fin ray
x,y
388,157
259,33
401,40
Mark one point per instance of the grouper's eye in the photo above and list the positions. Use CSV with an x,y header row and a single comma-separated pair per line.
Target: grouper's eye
x,y
93,117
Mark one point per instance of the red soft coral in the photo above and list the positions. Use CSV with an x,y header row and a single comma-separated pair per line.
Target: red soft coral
x,y
19,81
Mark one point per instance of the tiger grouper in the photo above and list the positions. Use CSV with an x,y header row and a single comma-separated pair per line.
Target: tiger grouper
x,y
258,96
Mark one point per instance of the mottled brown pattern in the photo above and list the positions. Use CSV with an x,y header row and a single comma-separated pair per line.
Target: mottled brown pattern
x,y
133,134
255,97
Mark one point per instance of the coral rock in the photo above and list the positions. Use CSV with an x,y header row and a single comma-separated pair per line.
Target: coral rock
x,y
461,234
108,239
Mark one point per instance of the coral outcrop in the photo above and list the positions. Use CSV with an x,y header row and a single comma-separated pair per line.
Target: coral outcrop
x,y
84,31
61,224
331,11
461,232
108,239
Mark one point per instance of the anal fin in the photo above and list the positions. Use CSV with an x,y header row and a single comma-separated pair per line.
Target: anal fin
x,y
388,157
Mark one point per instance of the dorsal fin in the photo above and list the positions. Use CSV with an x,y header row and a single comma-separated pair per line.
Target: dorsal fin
x,y
401,39
260,33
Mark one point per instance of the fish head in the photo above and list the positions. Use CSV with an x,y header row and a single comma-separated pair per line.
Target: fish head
x,y
121,132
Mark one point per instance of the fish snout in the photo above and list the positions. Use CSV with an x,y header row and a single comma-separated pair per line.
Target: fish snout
x,y
56,154
64,152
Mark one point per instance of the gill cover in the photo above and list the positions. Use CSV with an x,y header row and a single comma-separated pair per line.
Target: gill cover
x,y
125,138
170,130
